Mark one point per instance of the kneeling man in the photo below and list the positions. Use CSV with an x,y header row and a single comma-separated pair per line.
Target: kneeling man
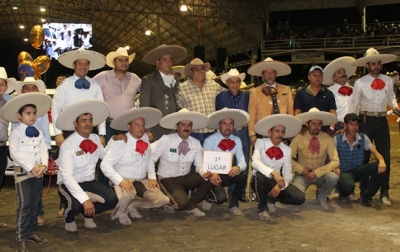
x,y
272,167
129,165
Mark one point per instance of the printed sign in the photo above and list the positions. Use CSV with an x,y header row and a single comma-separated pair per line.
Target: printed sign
x,y
217,161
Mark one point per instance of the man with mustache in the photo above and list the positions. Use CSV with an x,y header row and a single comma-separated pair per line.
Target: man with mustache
x,y
226,120
272,167
372,94
309,154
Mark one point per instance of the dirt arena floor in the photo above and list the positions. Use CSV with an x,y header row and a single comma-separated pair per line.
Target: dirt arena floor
x,y
345,227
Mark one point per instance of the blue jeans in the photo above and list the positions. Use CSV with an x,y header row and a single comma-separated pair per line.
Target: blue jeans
x,y
329,180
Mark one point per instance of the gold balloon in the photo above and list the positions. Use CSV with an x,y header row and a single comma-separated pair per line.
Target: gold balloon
x,y
24,56
25,69
36,36
41,64
37,76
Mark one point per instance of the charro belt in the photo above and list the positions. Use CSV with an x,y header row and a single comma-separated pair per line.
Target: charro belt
x,y
3,144
373,114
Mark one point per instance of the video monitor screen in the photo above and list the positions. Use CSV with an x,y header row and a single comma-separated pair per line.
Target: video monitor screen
x,y
63,37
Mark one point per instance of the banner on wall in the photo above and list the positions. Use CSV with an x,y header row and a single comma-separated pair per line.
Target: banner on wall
x,y
308,57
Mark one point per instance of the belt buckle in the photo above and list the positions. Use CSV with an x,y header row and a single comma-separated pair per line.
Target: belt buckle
x,y
376,114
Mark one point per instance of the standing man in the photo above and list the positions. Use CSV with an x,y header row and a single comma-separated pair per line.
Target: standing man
x,y
159,89
337,72
198,94
310,152
129,165
119,86
78,87
176,153
270,97
272,167
372,94
351,146
226,120
315,96
78,158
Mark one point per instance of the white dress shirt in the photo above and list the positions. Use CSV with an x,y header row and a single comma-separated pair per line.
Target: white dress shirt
x,y
212,142
42,124
77,166
66,94
172,164
262,163
342,101
364,98
122,161
27,152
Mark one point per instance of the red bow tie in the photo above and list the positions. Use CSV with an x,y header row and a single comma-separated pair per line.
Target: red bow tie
x,y
378,84
274,152
314,145
345,90
141,146
88,145
226,144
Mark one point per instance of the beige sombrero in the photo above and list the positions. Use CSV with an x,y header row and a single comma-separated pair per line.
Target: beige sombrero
x,y
177,52
40,100
199,120
30,80
291,123
240,117
342,62
196,62
372,55
314,114
233,73
120,52
151,116
280,67
98,108
11,82
180,69
97,60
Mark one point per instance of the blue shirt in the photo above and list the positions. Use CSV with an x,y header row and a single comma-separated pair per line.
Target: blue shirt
x,y
305,100
211,144
226,99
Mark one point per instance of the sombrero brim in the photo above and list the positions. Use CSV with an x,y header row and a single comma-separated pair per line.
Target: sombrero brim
x,y
240,117
97,60
326,117
112,55
291,123
40,100
199,120
189,66
342,62
39,83
226,76
384,58
11,84
180,69
280,67
177,52
99,110
151,116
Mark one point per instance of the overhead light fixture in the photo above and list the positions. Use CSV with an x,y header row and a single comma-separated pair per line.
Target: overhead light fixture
x,y
147,32
183,7
42,9
127,47
25,39
21,26
15,8
43,20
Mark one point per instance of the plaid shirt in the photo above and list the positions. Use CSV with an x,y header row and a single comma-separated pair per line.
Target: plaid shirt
x,y
198,99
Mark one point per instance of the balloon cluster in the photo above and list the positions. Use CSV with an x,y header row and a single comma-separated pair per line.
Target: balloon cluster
x,y
29,67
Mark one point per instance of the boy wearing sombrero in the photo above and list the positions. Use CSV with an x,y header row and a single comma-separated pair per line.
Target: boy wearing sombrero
x,y
30,157
129,165
77,87
225,121
158,89
372,94
78,157
7,85
176,153
272,167
309,154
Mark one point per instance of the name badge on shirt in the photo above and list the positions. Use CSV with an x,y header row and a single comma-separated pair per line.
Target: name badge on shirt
x,y
172,150
79,153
